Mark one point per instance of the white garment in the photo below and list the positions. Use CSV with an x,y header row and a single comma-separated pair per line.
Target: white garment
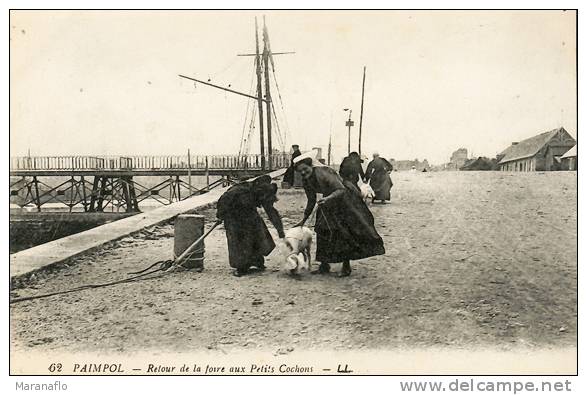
x,y
313,154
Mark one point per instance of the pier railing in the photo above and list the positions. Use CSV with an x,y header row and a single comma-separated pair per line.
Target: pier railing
x,y
166,162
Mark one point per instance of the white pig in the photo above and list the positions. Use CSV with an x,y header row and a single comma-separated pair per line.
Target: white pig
x,y
299,257
367,192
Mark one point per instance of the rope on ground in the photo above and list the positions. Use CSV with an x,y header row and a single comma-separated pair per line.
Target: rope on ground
x,y
166,267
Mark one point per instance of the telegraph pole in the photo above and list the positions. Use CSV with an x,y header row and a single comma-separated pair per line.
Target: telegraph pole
x,y
260,96
349,123
362,100
266,53
329,149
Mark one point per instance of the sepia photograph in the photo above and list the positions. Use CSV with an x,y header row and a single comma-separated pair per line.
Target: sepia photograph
x,y
293,192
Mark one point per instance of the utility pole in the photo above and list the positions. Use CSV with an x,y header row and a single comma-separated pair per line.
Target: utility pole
x,y
349,123
329,148
259,96
266,54
362,100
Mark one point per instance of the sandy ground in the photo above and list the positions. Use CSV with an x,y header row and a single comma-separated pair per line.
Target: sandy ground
x,y
473,260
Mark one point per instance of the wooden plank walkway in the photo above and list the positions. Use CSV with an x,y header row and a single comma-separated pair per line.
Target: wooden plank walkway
x,y
44,255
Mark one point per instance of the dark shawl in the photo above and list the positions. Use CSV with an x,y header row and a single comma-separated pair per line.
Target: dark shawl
x,y
345,227
351,170
246,233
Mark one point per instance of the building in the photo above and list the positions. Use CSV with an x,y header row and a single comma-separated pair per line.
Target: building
x,y
403,165
458,159
538,153
569,159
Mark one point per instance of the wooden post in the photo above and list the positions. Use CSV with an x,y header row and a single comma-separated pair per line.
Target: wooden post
x,y
95,193
259,96
72,196
188,229
102,193
37,197
133,195
207,172
189,172
362,101
83,182
178,184
125,192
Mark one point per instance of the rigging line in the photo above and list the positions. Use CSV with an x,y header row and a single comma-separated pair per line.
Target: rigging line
x,y
219,73
247,141
280,98
247,110
279,136
251,130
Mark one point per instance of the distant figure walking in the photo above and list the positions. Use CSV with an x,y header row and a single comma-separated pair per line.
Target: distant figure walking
x,y
249,240
351,170
345,227
290,172
378,177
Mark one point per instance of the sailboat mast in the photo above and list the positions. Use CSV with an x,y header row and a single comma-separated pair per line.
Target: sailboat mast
x,y
259,96
362,101
267,90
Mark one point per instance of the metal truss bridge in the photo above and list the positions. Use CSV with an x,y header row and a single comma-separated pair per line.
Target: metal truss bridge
x,y
107,183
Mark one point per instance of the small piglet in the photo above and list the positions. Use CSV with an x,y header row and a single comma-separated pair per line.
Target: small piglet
x,y
367,192
299,257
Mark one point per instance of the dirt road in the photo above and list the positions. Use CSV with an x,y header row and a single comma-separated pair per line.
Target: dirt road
x,y
473,260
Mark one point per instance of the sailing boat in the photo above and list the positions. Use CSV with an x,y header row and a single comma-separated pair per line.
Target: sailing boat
x,y
267,114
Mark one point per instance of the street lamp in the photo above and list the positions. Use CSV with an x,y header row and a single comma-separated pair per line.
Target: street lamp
x,y
349,123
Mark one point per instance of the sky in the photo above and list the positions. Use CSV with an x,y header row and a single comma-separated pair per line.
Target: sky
x,y
106,82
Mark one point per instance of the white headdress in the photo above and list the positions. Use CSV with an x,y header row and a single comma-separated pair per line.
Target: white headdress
x,y
313,154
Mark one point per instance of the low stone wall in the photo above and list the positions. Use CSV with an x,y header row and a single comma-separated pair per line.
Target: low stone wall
x,y
31,229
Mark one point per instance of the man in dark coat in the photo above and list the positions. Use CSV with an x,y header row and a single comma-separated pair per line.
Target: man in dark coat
x,y
290,172
249,240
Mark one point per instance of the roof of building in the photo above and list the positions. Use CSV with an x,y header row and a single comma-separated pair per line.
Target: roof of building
x,y
529,147
481,163
571,153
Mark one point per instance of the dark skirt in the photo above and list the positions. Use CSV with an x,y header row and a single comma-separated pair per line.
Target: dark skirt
x,y
345,230
248,240
289,175
381,184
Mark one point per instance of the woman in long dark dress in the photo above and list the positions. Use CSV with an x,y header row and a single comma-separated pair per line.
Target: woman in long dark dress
x,y
378,176
249,240
351,170
345,227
